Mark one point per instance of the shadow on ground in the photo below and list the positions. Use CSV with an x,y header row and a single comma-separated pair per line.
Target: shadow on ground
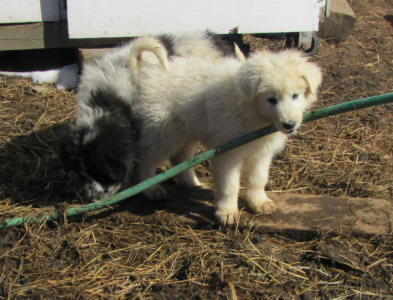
x,y
32,175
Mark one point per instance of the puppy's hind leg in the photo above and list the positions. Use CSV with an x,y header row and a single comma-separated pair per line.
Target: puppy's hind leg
x,y
226,173
188,177
256,177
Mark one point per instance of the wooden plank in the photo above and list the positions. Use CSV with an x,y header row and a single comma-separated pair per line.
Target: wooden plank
x,y
15,37
46,35
118,18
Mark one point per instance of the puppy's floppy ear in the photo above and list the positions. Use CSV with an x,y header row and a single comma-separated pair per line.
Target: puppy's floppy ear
x,y
248,80
110,153
106,168
312,75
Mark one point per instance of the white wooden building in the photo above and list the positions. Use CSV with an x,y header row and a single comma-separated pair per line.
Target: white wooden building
x,y
34,24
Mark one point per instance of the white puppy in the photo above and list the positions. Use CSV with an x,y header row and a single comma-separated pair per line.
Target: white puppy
x,y
197,101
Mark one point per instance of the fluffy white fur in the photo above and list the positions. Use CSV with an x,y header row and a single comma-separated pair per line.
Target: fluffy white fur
x,y
113,72
117,70
197,101
196,44
111,79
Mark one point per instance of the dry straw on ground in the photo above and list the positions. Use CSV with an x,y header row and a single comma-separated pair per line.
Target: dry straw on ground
x,y
130,253
168,260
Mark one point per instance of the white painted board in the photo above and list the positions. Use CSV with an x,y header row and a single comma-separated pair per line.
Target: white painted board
x,y
30,11
122,18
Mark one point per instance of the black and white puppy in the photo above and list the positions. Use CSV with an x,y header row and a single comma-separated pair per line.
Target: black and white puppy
x,y
101,150
101,144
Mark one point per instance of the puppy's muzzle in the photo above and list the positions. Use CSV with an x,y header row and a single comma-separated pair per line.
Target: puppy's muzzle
x,y
95,191
289,127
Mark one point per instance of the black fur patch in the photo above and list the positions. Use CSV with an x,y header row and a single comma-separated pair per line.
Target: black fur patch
x,y
68,151
224,43
109,101
105,152
106,157
224,46
119,110
167,41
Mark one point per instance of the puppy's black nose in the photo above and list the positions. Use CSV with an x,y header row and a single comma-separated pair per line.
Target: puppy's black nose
x,y
288,126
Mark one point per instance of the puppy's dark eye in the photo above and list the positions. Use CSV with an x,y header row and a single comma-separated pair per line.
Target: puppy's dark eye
x,y
295,96
272,100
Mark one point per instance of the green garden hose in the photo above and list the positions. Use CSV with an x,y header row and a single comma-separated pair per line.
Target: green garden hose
x,y
209,154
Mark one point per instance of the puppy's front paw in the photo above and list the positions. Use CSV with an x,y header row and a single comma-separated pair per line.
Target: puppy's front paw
x,y
268,207
227,216
156,193
259,203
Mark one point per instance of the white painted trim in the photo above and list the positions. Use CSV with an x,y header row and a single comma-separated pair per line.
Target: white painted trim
x,y
27,11
122,18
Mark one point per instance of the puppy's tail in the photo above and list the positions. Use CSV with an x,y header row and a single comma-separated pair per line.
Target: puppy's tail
x,y
150,44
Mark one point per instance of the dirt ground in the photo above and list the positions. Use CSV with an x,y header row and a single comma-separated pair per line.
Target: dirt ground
x,y
131,252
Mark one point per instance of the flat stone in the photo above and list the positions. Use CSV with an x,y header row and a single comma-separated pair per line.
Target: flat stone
x,y
328,214
295,213
339,24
